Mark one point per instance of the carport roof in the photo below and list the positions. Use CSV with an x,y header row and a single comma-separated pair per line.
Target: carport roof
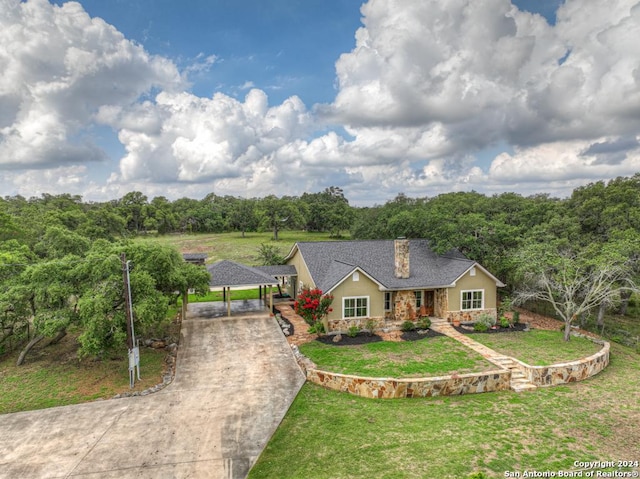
x,y
279,270
230,273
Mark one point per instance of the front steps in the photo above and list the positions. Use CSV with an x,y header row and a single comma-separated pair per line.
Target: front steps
x,y
519,382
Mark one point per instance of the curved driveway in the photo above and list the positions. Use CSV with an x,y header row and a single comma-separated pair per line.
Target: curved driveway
x,y
235,379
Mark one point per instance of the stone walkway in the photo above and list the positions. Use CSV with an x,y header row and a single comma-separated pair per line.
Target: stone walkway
x,y
300,334
519,382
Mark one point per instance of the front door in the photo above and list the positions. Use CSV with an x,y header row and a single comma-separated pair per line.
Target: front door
x,y
429,301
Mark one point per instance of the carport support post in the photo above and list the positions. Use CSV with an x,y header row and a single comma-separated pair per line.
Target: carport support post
x,y
270,298
229,302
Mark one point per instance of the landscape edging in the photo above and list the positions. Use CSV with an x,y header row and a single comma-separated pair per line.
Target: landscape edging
x,y
570,371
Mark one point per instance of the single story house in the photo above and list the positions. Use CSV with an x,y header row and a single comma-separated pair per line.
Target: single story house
x,y
390,281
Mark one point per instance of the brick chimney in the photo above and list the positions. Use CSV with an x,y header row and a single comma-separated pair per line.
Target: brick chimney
x,y
401,249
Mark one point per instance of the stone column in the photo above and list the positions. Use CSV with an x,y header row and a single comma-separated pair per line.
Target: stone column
x,y
401,251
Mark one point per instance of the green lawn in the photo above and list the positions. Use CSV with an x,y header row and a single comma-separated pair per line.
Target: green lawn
x,y
236,294
538,347
425,357
233,246
334,435
53,376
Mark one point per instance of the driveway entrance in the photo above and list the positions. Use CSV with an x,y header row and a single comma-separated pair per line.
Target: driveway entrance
x,y
235,379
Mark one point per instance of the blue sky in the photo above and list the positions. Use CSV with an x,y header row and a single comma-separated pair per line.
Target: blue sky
x,y
284,47
250,98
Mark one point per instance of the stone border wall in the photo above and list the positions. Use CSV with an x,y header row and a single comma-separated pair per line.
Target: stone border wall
x,y
569,372
488,381
387,388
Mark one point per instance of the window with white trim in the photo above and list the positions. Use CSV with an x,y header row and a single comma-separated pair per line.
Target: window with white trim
x,y
355,307
472,299
418,295
387,300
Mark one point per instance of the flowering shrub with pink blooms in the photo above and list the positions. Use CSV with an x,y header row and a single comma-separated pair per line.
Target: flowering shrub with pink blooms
x,y
313,306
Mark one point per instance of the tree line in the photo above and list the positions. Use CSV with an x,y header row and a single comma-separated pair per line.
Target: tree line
x,y
59,266
135,214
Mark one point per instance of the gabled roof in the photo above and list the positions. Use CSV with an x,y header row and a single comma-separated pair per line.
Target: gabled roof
x,y
229,273
329,262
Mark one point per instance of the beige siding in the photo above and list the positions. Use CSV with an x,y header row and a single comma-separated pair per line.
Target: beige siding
x,y
363,287
468,282
303,272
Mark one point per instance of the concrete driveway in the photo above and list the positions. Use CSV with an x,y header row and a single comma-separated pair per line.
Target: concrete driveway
x,y
235,379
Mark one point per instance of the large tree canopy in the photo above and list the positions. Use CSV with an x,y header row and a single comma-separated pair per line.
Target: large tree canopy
x,y
572,281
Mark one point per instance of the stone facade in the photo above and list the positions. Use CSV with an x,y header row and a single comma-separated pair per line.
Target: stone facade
x,y
343,325
388,388
401,250
404,306
441,302
463,316
569,372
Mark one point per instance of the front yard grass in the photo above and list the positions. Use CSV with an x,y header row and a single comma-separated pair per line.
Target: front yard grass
x,y
434,356
327,434
53,376
539,347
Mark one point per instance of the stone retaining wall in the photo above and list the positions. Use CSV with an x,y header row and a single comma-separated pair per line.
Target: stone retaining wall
x,y
488,381
387,388
568,372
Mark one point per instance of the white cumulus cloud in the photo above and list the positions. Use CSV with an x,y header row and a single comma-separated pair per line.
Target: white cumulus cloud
x,y
59,66
429,87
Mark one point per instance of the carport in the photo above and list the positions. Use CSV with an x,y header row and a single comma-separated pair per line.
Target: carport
x,y
228,274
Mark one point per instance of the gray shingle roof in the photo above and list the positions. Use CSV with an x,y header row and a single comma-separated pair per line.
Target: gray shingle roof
x,y
278,270
192,256
229,273
330,261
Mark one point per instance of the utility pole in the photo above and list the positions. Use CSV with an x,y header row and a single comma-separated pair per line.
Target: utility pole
x,y
134,351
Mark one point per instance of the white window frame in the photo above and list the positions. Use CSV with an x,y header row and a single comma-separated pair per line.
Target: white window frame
x,y
388,301
472,299
355,307
419,294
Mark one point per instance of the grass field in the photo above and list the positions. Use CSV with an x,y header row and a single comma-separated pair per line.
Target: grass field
x,y
426,357
233,246
53,376
334,435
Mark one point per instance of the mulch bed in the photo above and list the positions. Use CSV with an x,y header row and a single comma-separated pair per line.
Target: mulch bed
x,y
289,323
365,338
360,338
469,329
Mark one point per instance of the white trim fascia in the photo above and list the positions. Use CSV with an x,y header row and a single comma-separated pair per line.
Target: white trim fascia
x,y
291,253
314,285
